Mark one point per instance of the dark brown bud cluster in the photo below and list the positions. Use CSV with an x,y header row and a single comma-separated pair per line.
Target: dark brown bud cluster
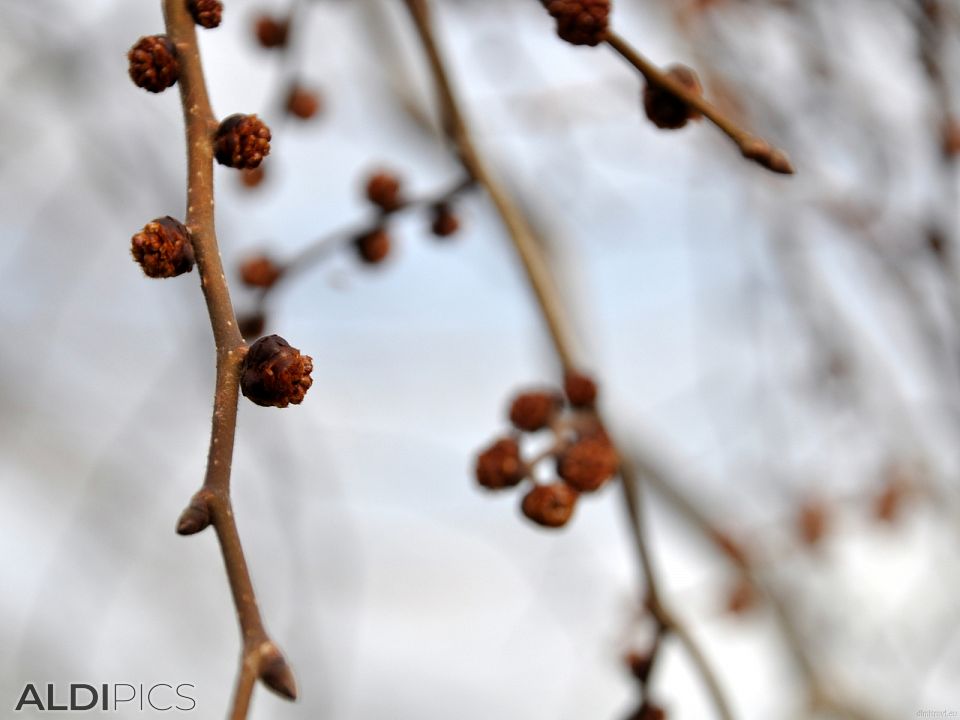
x,y
274,374
154,64
271,33
163,248
302,103
666,110
582,454
580,22
206,13
260,272
242,141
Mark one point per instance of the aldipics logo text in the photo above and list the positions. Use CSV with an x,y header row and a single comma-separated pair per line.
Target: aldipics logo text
x,y
162,697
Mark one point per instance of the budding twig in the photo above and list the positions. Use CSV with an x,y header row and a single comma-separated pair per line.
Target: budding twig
x,y
212,504
544,289
751,146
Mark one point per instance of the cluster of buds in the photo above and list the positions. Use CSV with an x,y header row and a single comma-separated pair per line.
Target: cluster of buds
x,y
583,456
384,191
580,22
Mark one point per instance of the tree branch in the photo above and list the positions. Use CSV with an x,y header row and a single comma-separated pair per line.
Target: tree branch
x,y
212,504
551,308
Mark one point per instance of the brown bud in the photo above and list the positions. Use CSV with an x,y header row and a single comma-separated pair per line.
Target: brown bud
x,y
581,22
252,177
445,223
196,517
242,141
383,190
588,463
373,247
163,248
154,64
302,103
532,411
252,325
274,374
276,674
812,522
500,466
260,272
580,389
666,110
271,33
206,13
550,505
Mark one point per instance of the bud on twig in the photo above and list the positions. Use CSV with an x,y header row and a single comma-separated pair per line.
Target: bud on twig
x,y
550,505
500,466
163,248
276,674
445,222
274,374
206,13
588,463
383,190
580,22
532,411
580,389
666,110
373,247
154,65
242,141
260,272
272,33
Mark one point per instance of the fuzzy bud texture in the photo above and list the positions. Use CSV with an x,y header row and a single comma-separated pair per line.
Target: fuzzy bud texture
x,y
580,22
206,13
163,248
500,466
274,374
242,142
154,65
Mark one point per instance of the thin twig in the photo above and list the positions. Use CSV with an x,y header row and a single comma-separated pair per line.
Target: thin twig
x,y
212,504
544,289
751,146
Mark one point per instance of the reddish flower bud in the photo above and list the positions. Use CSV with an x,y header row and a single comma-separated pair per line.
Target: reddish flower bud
x,y
373,247
260,271
242,141
500,466
581,22
533,411
666,110
154,64
383,190
274,374
206,13
550,505
588,463
580,389
163,248
302,103
271,33
445,223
